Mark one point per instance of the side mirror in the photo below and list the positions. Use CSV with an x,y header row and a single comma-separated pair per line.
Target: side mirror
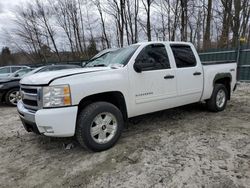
x,y
138,67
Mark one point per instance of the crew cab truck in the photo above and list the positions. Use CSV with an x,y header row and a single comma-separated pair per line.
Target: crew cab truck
x,y
93,103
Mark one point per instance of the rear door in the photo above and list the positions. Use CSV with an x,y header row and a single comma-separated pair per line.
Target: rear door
x,y
153,87
188,72
5,72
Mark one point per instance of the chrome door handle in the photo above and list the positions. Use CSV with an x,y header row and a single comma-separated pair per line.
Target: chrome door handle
x,y
169,77
197,73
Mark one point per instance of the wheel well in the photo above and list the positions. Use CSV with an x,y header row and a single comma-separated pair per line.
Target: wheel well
x,y
226,81
115,97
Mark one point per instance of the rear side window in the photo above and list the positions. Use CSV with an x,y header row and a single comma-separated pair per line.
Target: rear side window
x,y
5,70
14,69
156,55
184,56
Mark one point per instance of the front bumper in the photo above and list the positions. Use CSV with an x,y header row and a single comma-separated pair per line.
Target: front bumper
x,y
28,118
55,122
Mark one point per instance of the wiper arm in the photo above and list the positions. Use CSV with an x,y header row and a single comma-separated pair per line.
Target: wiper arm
x,y
100,65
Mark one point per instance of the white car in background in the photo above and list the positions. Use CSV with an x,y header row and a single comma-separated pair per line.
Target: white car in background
x,y
7,71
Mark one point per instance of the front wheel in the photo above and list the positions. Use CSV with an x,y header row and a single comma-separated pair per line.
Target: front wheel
x,y
99,126
218,100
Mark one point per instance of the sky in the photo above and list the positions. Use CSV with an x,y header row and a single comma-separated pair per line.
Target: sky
x,y
7,9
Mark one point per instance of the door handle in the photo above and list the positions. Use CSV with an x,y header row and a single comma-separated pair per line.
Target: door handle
x,y
169,77
197,73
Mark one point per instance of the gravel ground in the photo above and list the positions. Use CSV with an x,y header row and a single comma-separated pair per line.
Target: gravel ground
x,y
181,147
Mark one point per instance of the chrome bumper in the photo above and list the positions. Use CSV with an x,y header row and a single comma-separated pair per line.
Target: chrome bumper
x,y
25,114
28,118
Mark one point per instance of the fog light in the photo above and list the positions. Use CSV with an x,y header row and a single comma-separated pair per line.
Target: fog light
x,y
48,129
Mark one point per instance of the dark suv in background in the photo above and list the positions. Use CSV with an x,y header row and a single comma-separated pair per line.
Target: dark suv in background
x,y
9,87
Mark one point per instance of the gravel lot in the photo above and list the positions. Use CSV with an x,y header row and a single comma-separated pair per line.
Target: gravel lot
x,y
182,147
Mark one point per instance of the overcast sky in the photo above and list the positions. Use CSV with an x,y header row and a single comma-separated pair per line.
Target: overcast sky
x,y
7,9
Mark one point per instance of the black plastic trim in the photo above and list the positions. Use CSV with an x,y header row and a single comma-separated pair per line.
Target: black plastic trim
x,y
59,107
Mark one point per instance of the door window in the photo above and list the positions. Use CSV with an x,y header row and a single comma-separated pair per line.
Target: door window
x,y
184,56
22,72
155,56
14,69
5,70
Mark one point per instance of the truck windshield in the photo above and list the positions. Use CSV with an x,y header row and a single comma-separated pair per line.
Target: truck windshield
x,y
120,56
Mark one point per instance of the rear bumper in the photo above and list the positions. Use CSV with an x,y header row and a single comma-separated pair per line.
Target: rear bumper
x,y
56,122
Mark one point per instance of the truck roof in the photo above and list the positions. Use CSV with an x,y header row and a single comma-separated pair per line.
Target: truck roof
x,y
165,42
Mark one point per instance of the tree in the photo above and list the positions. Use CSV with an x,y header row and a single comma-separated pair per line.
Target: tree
x,y
147,5
131,19
44,13
92,50
116,9
6,57
99,8
184,19
227,8
206,40
5,51
75,24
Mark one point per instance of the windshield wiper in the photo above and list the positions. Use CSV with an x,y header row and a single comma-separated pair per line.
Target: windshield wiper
x,y
100,65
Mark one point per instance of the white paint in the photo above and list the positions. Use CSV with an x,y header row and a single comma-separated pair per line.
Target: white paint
x,y
160,93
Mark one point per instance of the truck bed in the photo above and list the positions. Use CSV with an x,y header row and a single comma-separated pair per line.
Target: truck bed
x,y
217,68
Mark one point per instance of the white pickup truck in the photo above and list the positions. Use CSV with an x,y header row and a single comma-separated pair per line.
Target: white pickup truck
x,y
93,103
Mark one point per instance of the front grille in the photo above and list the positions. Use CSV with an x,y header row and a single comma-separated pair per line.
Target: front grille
x,y
30,102
30,97
27,90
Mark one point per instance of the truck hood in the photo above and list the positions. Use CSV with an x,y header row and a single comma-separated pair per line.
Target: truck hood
x,y
46,77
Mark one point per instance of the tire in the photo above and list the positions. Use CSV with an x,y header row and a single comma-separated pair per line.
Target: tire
x,y
218,100
99,126
12,97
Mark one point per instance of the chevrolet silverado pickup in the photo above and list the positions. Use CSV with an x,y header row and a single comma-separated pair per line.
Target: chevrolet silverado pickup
x,y
93,103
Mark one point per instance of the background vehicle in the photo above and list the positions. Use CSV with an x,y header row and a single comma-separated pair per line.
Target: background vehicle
x,y
8,70
93,103
9,87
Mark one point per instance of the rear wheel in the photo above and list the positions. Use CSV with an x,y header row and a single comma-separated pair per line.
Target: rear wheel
x,y
99,126
218,100
12,97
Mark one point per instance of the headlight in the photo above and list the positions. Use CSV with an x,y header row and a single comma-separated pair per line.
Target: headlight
x,y
56,96
1,86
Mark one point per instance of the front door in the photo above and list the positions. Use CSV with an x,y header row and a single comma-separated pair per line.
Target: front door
x,y
155,85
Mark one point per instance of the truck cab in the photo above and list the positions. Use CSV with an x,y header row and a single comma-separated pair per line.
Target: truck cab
x,y
93,103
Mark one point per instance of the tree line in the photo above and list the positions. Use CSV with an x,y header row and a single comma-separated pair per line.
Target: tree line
x,y
57,29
